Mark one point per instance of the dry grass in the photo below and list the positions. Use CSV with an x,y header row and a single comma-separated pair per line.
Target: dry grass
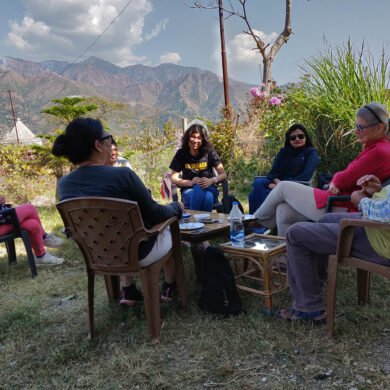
x,y
43,338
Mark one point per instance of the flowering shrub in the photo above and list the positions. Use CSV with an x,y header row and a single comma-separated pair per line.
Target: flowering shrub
x,y
275,101
257,93
261,96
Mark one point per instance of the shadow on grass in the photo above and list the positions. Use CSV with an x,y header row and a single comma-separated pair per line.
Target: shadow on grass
x,y
43,337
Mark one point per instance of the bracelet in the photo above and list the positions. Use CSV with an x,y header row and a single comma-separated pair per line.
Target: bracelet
x,y
215,180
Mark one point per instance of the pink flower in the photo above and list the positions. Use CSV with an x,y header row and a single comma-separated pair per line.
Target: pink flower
x,y
275,101
257,93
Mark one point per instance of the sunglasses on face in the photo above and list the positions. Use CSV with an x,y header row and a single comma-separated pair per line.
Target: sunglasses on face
x,y
299,136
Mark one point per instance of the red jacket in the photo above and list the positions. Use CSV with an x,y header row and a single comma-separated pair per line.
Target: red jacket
x,y
374,159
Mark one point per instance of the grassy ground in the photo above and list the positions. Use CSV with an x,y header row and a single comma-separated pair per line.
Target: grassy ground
x,y
43,338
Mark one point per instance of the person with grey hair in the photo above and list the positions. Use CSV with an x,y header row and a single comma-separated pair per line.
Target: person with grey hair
x,y
292,202
309,245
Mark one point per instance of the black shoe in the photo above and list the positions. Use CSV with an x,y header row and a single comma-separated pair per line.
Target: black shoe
x,y
168,290
130,295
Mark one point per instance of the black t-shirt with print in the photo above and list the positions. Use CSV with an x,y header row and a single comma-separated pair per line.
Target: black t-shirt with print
x,y
191,166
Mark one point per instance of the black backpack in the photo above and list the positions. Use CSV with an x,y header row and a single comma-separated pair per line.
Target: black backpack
x,y
218,289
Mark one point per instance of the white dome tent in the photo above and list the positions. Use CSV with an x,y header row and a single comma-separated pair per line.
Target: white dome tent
x,y
24,135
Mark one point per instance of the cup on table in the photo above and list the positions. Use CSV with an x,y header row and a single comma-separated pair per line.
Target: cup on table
x,y
185,218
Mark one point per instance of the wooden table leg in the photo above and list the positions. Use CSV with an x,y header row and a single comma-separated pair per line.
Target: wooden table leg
x,y
267,285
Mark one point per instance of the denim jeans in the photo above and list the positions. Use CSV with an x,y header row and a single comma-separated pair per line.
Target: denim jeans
x,y
197,198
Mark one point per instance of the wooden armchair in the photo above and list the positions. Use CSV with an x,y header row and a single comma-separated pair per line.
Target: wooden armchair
x,y
108,232
345,198
9,216
364,268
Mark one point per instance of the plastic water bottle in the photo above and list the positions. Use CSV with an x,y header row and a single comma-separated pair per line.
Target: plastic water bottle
x,y
237,232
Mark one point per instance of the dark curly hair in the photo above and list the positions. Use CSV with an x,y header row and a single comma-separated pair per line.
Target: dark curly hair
x,y
296,126
78,141
206,145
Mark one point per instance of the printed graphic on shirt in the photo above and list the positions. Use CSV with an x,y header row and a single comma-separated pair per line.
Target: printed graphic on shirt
x,y
196,166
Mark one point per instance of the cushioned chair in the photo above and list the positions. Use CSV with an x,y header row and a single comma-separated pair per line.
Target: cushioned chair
x,y
9,216
108,232
363,267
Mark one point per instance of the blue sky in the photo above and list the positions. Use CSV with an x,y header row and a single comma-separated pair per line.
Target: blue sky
x,y
151,32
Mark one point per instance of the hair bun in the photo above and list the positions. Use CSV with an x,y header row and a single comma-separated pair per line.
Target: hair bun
x,y
60,147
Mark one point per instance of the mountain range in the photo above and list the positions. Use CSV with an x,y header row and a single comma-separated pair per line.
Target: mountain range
x,y
165,92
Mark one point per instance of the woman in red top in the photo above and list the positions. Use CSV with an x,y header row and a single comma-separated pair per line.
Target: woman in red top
x,y
292,202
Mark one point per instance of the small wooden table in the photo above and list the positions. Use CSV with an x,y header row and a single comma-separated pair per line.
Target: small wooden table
x,y
210,230
257,263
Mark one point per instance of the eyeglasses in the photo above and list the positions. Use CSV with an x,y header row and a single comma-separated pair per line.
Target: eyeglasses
x,y
299,136
361,128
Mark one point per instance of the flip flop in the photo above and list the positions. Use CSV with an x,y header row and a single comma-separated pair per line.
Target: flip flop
x,y
290,314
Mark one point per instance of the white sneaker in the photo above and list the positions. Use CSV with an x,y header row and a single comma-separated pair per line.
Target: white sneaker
x,y
52,241
48,259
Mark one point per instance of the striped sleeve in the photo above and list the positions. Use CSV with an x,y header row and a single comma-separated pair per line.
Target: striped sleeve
x,y
377,209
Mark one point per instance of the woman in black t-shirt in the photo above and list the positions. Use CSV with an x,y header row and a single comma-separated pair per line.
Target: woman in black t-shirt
x,y
192,169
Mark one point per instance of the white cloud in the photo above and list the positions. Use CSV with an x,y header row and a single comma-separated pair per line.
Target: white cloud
x,y
63,29
161,26
172,58
242,48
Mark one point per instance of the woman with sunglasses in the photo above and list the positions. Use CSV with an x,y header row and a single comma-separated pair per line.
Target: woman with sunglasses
x,y
296,161
292,202
87,145
193,169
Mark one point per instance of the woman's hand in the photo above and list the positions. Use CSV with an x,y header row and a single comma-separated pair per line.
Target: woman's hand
x,y
333,189
205,182
196,180
2,199
273,184
370,184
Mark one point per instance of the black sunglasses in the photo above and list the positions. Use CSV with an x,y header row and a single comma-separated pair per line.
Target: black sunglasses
x,y
299,136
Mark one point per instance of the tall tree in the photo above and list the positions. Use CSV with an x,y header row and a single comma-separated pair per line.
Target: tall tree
x,y
266,50
69,108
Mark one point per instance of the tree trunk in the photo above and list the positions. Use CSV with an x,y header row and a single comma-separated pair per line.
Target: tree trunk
x,y
267,74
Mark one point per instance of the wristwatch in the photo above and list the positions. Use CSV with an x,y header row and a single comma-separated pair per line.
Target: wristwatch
x,y
215,180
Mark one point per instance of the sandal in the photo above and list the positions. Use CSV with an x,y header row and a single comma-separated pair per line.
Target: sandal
x,y
290,314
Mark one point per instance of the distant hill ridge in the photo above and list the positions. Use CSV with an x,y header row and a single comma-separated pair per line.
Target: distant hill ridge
x,y
171,90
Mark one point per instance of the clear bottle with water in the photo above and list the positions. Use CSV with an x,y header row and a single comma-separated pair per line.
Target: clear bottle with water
x,y
237,232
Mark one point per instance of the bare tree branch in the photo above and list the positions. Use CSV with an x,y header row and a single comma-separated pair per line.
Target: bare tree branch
x,y
267,57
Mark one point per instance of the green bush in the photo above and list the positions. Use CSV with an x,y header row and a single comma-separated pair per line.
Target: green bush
x,y
338,83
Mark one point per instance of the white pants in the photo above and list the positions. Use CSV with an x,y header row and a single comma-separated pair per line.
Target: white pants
x,y
160,248
287,203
